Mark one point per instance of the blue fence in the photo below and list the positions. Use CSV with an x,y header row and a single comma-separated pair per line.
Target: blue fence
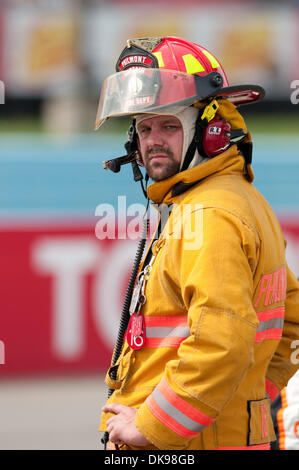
x,y
45,176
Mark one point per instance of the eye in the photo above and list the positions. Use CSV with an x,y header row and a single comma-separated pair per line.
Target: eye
x,y
171,127
144,131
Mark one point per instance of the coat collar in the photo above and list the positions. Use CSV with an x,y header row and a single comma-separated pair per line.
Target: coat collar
x,y
228,162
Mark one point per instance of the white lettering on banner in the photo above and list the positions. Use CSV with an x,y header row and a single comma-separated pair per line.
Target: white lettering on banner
x,y
2,353
67,259
107,287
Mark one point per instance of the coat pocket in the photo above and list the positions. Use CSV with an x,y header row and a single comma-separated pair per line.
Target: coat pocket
x,y
261,428
116,374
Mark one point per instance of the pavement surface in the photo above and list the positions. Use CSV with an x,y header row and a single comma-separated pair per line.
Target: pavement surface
x,y
51,413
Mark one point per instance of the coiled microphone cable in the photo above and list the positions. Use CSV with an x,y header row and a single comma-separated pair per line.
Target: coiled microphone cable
x,y
125,314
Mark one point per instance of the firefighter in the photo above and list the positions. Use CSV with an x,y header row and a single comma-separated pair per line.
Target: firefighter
x,y
215,308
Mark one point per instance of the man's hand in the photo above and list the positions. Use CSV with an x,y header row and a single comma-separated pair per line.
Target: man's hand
x,y
121,427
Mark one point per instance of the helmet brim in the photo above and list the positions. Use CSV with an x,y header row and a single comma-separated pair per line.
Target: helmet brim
x,y
128,93
241,94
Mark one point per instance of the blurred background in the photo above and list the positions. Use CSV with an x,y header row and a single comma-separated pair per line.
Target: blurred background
x,y
61,288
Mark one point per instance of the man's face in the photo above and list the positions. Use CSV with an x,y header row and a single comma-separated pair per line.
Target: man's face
x,y
161,144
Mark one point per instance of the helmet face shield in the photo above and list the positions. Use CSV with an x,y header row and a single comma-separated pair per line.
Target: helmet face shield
x,y
146,90
154,73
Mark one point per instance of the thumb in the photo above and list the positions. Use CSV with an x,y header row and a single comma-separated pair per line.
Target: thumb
x,y
117,408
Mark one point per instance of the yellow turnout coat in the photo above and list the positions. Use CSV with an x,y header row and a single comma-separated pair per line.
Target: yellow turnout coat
x,y
221,314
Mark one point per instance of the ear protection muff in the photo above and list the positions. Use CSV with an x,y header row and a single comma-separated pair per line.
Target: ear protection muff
x,y
212,135
217,136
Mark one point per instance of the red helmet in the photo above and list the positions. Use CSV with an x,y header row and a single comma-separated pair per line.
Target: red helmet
x,y
153,73
171,53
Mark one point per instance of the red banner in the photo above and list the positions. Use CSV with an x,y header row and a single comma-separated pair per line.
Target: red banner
x,y
61,292
61,295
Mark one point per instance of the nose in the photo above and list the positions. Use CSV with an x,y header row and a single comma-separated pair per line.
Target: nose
x,y
155,137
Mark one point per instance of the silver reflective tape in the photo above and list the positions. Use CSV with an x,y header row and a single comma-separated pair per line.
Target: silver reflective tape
x,y
174,413
166,331
273,323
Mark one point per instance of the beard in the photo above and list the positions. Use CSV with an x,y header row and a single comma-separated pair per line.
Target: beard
x,y
160,170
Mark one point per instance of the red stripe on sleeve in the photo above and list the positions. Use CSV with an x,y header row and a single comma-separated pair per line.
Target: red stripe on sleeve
x,y
183,405
167,420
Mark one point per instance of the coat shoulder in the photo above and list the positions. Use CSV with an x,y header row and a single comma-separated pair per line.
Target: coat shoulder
x,y
232,193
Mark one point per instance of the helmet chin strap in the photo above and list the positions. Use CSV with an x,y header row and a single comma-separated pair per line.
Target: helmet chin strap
x,y
194,159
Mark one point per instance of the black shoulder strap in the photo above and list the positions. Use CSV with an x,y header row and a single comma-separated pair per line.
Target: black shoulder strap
x,y
196,142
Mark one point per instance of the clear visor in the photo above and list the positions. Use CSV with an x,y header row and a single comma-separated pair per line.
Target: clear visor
x,y
144,90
